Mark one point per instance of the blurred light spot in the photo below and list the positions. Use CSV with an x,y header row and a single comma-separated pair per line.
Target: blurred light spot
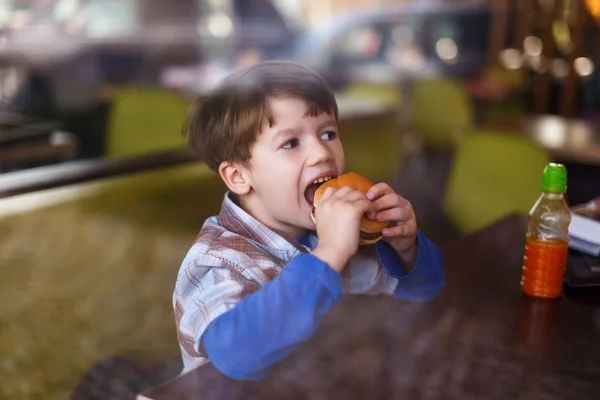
x,y
363,42
446,49
74,25
249,57
583,66
65,9
533,45
59,138
559,68
403,35
553,138
537,63
11,79
219,25
562,36
5,14
594,7
20,19
580,133
219,3
552,133
511,58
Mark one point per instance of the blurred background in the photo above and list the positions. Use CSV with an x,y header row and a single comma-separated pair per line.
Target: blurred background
x,y
458,104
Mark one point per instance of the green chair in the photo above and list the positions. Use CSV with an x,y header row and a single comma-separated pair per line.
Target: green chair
x,y
387,94
440,112
145,120
372,145
493,174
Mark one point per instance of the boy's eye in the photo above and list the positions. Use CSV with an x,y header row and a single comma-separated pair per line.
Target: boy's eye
x,y
329,135
290,144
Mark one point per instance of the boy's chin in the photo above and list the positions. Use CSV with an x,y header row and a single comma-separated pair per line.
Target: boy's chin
x,y
308,223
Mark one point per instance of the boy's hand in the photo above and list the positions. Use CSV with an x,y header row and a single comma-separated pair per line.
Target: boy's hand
x,y
338,218
402,232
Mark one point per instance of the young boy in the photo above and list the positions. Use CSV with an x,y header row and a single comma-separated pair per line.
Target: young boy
x,y
256,282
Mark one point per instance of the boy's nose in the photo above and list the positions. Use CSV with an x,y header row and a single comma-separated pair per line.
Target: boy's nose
x,y
319,154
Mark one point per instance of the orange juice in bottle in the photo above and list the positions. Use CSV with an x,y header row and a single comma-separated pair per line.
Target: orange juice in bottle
x,y
547,240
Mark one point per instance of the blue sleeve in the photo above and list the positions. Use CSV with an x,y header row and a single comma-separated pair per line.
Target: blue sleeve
x,y
425,280
266,326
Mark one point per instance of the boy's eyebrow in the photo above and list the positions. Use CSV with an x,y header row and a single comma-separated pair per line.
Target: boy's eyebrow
x,y
290,131
329,122
284,132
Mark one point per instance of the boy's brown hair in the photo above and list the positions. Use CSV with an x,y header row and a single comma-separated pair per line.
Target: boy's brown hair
x,y
224,125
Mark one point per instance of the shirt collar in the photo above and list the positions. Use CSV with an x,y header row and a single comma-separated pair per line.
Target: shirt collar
x,y
279,244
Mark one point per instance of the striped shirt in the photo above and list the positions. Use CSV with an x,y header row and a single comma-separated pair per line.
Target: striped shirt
x,y
235,254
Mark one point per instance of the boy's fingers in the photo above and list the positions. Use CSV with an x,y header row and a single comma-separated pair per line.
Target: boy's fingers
x,y
327,193
378,190
397,214
361,205
394,231
367,207
366,210
390,200
405,229
348,194
342,192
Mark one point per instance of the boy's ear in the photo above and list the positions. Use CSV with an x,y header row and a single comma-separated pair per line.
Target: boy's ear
x,y
235,177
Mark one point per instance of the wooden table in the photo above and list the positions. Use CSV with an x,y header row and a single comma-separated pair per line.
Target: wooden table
x,y
480,339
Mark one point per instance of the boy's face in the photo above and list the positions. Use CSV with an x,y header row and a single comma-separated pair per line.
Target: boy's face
x,y
285,159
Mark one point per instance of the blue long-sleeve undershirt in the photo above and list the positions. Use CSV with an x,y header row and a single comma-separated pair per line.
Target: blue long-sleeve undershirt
x,y
266,326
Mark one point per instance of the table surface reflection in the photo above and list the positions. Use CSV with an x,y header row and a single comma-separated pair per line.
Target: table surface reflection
x,y
480,339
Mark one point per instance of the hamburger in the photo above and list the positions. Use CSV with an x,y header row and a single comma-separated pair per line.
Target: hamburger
x,y
370,231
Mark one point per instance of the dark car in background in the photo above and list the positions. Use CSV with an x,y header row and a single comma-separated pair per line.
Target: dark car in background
x,y
385,43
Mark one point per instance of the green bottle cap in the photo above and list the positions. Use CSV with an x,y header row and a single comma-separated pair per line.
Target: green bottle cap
x,y
554,178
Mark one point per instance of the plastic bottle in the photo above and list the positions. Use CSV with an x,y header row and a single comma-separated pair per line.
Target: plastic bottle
x,y
547,241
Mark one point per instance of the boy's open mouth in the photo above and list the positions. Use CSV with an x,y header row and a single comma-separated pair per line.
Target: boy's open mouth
x,y
309,192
